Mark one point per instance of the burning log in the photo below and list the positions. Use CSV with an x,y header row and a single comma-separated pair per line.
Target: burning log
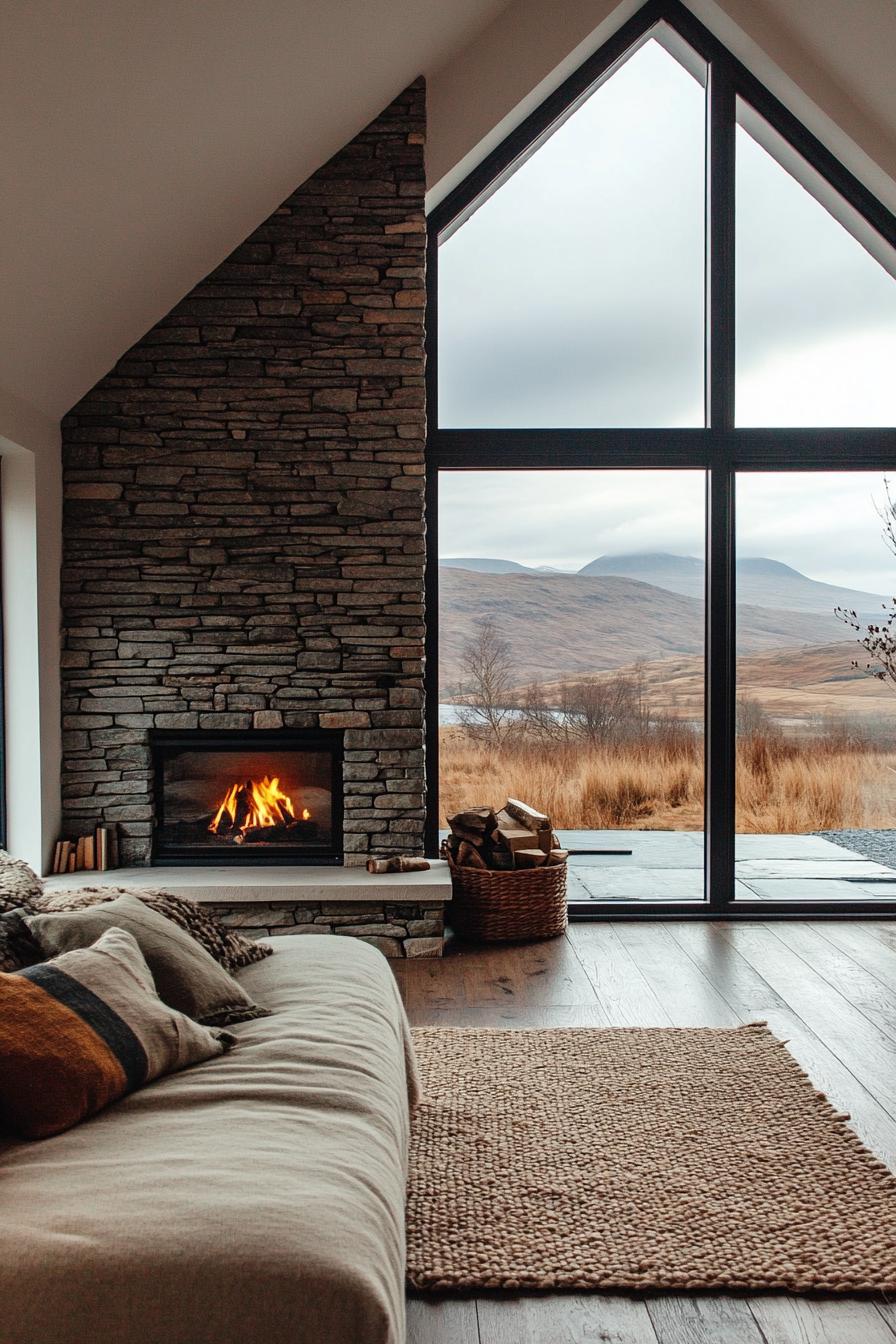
x,y
257,811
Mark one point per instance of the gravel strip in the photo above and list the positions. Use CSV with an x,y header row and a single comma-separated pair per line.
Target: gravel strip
x,y
877,845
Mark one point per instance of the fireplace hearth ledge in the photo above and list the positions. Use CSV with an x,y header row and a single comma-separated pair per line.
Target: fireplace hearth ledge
x,y
238,886
403,915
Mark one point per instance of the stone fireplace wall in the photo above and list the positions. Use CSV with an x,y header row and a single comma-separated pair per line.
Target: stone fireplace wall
x,y
244,533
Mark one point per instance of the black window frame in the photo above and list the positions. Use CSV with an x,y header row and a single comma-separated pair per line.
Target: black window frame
x,y
720,449
3,781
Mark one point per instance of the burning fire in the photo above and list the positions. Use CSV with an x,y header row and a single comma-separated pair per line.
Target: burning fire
x,y
255,805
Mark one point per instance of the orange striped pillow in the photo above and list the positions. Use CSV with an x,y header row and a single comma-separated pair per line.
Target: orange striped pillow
x,y
81,1031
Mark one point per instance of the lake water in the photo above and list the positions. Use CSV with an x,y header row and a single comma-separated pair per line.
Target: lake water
x,y
448,715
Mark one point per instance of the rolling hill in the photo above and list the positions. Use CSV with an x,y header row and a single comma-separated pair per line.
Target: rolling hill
x,y
566,625
792,685
484,565
760,582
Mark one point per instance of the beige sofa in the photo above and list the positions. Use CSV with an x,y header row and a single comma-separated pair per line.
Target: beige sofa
x,y
257,1197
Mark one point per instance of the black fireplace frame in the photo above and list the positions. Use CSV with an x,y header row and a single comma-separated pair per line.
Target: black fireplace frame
x,y
164,740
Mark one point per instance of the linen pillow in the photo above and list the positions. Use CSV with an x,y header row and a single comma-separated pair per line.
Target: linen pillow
x,y
19,884
17,945
80,1032
185,976
230,949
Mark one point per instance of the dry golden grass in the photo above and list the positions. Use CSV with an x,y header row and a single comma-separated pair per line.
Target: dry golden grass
x,y
783,786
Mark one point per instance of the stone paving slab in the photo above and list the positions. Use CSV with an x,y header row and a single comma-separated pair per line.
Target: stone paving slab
x,y
642,884
599,892
626,839
790,847
650,849
660,861
826,869
805,889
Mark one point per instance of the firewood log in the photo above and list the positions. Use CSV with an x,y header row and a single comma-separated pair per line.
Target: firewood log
x,y
515,838
398,863
243,806
557,856
527,816
473,819
469,857
530,858
476,838
501,860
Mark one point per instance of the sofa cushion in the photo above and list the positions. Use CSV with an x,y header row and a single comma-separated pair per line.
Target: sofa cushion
x,y
81,1031
230,949
257,1197
17,944
19,884
186,977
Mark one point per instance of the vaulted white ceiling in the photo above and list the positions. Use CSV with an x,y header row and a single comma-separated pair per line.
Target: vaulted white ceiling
x,y
142,141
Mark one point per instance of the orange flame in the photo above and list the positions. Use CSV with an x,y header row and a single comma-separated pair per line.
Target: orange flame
x,y
258,803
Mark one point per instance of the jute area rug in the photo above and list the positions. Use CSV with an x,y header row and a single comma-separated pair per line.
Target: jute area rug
x,y
638,1158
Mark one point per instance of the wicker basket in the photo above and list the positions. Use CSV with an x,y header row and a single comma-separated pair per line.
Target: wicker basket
x,y
519,906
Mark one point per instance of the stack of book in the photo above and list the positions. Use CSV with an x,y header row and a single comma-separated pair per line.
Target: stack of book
x,y
95,852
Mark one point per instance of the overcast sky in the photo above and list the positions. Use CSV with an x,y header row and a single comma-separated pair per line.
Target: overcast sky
x,y
574,297
826,526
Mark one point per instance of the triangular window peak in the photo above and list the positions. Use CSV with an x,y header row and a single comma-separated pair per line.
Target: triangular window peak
x,y
662,246
572,295
815,296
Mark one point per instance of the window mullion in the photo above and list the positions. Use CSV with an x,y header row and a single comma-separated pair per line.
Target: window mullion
x,y
720,572
720,246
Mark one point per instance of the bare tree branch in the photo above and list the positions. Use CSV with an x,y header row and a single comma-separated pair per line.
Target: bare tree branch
x,y
878,640
487,667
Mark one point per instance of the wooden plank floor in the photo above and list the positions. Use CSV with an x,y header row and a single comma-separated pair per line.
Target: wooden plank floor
x,y
828,988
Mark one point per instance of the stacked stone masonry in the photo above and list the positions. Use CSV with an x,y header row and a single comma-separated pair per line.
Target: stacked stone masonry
x,y
243,532
397,930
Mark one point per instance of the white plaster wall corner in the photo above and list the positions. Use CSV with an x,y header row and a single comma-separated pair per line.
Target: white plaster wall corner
x,y
31,494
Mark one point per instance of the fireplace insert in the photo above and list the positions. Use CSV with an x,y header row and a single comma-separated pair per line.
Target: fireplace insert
x,y
248,797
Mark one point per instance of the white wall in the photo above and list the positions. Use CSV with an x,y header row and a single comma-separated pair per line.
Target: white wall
x,y
31,522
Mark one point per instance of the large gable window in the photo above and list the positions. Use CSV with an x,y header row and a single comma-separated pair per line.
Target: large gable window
x,y
661,282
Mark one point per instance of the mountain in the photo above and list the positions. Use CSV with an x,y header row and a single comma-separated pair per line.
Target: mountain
x,y
760,582
652,567
483,565
563,625
761,565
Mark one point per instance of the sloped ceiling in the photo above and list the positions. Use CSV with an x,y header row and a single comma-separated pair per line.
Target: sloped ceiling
x,y
142,141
